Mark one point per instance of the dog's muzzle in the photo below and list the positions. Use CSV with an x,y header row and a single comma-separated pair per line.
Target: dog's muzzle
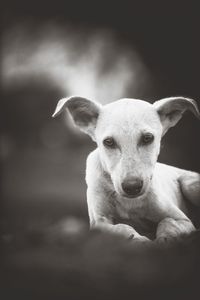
x,y
132,187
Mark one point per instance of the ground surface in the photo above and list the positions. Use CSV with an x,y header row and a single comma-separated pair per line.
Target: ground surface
x,y
65,261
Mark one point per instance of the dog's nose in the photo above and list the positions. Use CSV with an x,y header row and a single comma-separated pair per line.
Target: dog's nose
x,y
132,187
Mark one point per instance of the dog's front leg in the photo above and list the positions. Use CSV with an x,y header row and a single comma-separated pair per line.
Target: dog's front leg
x,y
120,229
170,229
101,202
101,215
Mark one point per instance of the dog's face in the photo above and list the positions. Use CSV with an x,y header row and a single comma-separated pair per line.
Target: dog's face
x,y
128,134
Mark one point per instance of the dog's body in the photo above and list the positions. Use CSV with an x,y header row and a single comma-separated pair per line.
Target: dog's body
x,y
129,192
164,199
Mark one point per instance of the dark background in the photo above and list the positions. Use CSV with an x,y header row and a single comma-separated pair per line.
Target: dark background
x,y
43,160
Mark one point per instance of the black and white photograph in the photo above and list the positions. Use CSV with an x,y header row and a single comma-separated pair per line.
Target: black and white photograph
x,y
100,150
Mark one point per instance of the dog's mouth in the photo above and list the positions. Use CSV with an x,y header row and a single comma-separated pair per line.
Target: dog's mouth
x,y
142,193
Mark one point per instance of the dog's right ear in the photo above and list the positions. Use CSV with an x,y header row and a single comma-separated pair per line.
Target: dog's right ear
x,y
83,111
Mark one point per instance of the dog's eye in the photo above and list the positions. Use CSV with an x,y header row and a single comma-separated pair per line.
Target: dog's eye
x,y
147,138
109,142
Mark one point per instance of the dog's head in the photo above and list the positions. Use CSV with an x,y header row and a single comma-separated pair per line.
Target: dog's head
x,y
128,134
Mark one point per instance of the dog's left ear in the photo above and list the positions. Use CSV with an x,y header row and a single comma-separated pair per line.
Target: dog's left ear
x,y
84,112
171,110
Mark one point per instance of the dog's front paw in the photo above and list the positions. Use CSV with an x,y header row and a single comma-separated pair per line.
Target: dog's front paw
x,y
167,239
125,230
170,230
140,239
130,233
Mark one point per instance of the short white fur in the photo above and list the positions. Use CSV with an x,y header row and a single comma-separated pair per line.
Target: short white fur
x,y
160,206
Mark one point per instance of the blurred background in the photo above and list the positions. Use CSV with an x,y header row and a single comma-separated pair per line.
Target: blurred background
x,y
101,50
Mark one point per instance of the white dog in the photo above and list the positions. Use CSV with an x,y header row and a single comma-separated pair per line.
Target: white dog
x,y
129,192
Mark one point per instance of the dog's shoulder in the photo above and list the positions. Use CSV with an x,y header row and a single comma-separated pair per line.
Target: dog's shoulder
x,y
96,177
93,167
166,180
168,170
